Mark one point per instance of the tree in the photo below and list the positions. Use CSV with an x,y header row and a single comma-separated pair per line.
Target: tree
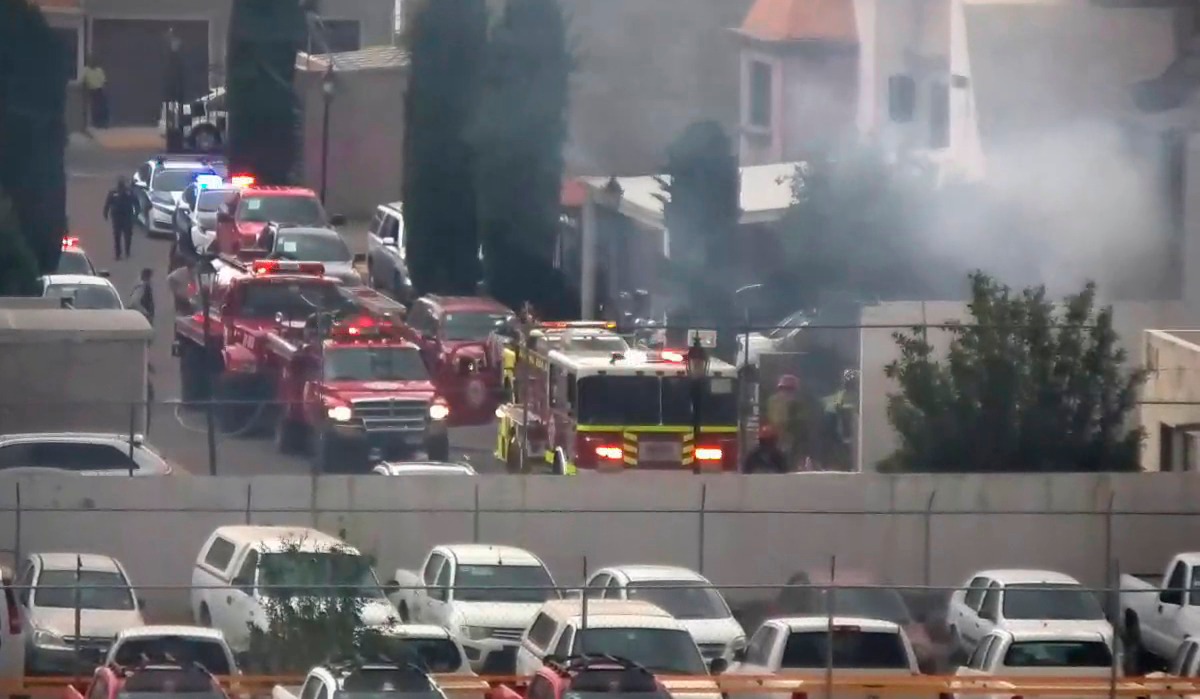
x,y
33,133
264,36
18,266
446,45
701,208
1024,386
519,132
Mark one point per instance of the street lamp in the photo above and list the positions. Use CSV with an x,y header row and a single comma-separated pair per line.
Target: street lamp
x,y
205,275
328,87
697,372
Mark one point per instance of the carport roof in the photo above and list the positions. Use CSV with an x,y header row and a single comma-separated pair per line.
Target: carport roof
x,y
21,325
371,58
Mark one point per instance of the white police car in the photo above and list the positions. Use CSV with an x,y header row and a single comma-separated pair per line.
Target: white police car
x,y
74,260
82,291
159,184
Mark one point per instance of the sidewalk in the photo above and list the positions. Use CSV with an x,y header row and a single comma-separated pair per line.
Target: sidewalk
x,y
126,138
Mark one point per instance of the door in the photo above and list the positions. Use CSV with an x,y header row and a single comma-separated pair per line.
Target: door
x,y
437,609
429,575
760,657
240,604
134,55
964,608
989,614
1165,631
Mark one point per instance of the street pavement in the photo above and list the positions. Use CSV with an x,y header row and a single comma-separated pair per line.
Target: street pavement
x,y
92,169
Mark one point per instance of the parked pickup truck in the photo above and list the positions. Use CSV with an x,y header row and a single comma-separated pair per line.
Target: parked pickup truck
x,y
1051,653
377,680
1160,613
182,644
486,595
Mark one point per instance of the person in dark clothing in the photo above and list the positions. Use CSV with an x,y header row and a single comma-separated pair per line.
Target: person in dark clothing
x,y
142,298
766,456
121,207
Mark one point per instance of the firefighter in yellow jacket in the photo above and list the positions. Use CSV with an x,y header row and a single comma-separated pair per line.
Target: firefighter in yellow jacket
x,y
788,413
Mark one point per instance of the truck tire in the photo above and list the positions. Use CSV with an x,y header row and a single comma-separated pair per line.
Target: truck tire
x,y
289,434
438,448
191,372
1135,653
512,463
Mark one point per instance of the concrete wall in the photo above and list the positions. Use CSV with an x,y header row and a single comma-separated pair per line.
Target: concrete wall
x,y
878,439
1173,359
755,530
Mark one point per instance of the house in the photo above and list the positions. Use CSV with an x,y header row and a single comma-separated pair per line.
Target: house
x,y
129,39
1169,413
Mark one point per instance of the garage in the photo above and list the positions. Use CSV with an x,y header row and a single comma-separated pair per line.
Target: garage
x,y
133,53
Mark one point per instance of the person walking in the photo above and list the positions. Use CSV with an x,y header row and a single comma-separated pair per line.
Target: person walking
x,y
142,297
121,207
94,82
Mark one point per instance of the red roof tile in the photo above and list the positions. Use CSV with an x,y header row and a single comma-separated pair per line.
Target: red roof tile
x,y
797,20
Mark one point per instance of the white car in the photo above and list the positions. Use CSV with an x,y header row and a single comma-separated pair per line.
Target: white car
x,y
205,647
84,292
434,646
1016,599
51,586
684,594
1029,653
423,468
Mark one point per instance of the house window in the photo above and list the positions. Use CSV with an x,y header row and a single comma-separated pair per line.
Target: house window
x,y
760,94
68,39
335,35
939,116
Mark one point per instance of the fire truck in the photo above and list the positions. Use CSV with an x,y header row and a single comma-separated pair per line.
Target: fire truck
x,y
589,409
352,390
506,343
245,303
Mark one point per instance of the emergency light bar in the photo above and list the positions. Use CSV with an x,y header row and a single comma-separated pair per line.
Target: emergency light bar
x,y
362,327
70,243
206,181
242,180
582,324
287,267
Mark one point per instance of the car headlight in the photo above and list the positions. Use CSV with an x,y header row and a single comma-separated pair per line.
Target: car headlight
x,y
340,413
738,644
44,638
439,411
476,633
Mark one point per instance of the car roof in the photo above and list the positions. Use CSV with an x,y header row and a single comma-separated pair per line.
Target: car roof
x,y
158,630
84,561
461,304
603,608
489,554
76,279
315,231
821,623
138,440
1057,631
639,572
427,468
269,538
1011,576
185,165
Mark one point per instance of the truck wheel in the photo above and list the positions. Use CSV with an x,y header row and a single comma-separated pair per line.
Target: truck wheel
x,y
403,610
438,448
1134,652
512,461
289,434
205,616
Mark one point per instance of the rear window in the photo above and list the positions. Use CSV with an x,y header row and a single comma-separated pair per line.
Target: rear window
x,y
858,650
86,296
1050,601
209,654
73,262
1058,654
386,684
295,300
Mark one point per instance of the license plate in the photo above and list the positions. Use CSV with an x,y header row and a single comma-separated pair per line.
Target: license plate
x,y
660,451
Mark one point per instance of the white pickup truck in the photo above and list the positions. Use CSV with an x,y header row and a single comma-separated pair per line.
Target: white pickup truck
x,y
1050,653
182,644
485,595
377,681
1160,613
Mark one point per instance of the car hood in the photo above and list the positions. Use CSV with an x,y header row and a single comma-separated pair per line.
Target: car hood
x,y
354,390
706,631
510,615
93,623
250,227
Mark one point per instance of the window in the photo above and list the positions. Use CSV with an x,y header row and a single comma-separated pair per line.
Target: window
x,y
368,363
319,572
613,591
542,631
1050,601
436,654
852,648
1058,654
670,651
975,590
760,94
98,589
211,200
309,690
313,248
421,319
86,296
718,402
563,648
759,650
70,456
219,553
939,116
552,385
902,98
472,325
263,298
143,173
25,584
74,262
441,586
1172,593
245,576
975,662
300,210
176,180
189,196
431,568
390,229
682,599
990,608
68,39
596,587
209,654
505,583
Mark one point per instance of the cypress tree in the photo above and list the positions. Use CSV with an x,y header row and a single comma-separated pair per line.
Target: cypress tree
x,y
264,36
446,44
33,132
519,135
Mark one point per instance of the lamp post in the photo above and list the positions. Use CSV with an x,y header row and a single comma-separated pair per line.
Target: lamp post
x,y
697,371
744,372
205,274
327,90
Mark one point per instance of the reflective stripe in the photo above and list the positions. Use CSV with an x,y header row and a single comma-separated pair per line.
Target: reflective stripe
x,y
661,429
630,448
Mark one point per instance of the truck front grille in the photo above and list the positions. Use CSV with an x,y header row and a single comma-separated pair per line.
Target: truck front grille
x,y
391,415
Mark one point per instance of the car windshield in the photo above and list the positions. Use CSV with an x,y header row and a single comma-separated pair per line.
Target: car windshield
x,y
650,400
869,603
297,300
74,262
374,364
86,296
852,649
312,248
97,589
465,326
501,583
1058,654
294,573
1050,601
175,180
208,653
211,200
386,684
683,599
300,209
433,654
668,651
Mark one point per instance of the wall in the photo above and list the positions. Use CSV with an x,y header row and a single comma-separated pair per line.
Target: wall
x,y
755,530
878,439
215,11
1173,359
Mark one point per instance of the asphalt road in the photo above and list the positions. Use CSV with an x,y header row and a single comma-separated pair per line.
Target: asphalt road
x,y
179,433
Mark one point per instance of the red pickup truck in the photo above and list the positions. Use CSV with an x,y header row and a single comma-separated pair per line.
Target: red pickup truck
x,y
243,217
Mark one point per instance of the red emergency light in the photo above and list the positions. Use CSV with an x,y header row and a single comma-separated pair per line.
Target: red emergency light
x,y
708,453
612,453
242,180
70,243
287,267
362,328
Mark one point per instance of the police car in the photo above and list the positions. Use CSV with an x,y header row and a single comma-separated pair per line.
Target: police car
x,y
159,184
74,260
203,121
82,291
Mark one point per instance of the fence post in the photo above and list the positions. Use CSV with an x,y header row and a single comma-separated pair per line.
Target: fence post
x,y
249,499
829,609
928,572
132,429
17,527
475,517
700,528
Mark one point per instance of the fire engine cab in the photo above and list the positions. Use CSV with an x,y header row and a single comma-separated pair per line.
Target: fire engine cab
x,y
506,343
353,390
584,408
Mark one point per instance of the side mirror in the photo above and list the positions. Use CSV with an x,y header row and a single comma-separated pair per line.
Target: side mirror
x,y
718,665
337,220
102,273
360,258
739,655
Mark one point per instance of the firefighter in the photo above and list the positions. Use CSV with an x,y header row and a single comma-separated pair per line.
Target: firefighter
x,y
766,456
840,411
788,414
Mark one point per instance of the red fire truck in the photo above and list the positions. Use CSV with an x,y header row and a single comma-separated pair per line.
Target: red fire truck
x,y
453,332
584,408
353,390
244,304
243,217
